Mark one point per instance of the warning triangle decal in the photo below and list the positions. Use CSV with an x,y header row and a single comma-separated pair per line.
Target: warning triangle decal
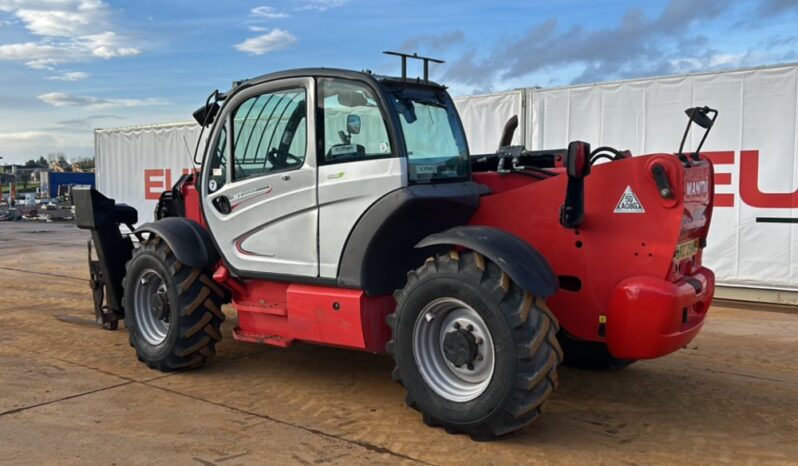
x,y
629,204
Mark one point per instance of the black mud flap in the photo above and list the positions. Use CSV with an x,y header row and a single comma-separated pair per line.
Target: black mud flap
x,y
103,216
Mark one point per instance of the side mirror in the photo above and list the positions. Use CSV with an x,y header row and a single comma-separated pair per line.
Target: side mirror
x,y
577,160
353,124
699,116
206,114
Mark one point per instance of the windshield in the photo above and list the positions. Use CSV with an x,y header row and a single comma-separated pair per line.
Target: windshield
x,y
436,143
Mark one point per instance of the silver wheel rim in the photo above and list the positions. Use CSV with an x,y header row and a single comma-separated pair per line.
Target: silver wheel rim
x,y
152,326
453,383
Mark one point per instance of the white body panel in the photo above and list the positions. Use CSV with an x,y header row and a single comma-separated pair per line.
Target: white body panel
x,y
346,190
273,228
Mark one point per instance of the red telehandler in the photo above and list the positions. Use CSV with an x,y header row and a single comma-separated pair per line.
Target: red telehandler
x,y
344,208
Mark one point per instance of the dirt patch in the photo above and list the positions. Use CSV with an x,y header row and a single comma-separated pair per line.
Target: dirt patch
x,y
72,393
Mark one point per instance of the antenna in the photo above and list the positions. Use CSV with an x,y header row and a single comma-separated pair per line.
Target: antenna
x,y
414,56
188,152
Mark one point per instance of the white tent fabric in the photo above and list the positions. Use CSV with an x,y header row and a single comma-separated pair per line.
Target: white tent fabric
x,y
484,117
135,164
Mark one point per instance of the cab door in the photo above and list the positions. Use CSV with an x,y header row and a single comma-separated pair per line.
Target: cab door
x,y
358,163
259,181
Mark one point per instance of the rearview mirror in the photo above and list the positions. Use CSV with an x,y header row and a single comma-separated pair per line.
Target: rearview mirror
x,y
353,124
577,160
350,98
206,114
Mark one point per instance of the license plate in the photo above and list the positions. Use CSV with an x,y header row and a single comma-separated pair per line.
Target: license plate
x,y
686,250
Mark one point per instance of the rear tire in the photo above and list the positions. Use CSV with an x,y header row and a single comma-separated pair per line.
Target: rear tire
x,y
589,355
458,304
172,311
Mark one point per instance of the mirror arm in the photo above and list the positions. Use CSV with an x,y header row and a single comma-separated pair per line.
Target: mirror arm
x,y
686,130
706,133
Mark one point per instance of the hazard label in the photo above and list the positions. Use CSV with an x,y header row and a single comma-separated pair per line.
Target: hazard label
x,y
629,203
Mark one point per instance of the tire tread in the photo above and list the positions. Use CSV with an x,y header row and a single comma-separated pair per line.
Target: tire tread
x,y
199,313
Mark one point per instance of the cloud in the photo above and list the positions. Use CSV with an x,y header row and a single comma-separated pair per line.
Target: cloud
x,y
22,145
70,31
59,18
69,76
435,42
637,45
267,12
84,124
107,45
777,7
318,5
277,39
60,99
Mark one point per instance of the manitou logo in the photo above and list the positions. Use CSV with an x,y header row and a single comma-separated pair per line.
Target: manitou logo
x,y
697,189
158,180
748,182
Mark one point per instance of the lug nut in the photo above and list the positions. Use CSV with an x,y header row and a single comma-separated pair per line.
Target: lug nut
x,y
470,328
470,367
479,357
457,325
478,340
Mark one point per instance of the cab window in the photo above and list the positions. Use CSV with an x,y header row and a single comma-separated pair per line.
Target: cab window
x,y
269,133
351,126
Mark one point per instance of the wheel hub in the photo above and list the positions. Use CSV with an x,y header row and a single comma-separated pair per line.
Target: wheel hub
x,y
151,306
460,347
453,349
160,304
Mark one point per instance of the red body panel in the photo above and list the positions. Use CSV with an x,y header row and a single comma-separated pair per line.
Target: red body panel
x,y
600,260
281,313
191,201
672,314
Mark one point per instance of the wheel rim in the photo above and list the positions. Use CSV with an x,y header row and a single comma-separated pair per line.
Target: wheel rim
x,y
452,317
151,307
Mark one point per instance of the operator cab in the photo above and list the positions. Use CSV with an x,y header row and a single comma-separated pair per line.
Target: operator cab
x,y
298,160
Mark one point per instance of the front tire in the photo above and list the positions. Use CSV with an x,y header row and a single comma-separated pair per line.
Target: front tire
x,y
476,353
172,311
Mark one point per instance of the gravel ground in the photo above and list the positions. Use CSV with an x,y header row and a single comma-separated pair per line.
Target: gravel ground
x,y
71,393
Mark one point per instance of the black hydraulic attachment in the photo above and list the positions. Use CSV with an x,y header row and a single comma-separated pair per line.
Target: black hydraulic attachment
x,y
102,216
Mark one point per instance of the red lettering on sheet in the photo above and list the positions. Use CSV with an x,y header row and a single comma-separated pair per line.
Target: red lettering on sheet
x,y
749,186
722,179
158,180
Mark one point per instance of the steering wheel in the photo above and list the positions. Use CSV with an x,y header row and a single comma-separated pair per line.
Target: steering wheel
x,y
294,160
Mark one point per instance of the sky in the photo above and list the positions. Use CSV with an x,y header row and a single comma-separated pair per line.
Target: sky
x,y
69,66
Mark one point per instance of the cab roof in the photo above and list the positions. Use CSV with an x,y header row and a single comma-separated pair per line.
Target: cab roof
x,y
334,73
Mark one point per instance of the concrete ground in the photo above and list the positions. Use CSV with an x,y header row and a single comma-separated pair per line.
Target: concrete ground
x,y
71,393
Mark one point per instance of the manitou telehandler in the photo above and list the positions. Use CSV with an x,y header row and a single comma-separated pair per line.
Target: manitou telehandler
x,y
344,208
